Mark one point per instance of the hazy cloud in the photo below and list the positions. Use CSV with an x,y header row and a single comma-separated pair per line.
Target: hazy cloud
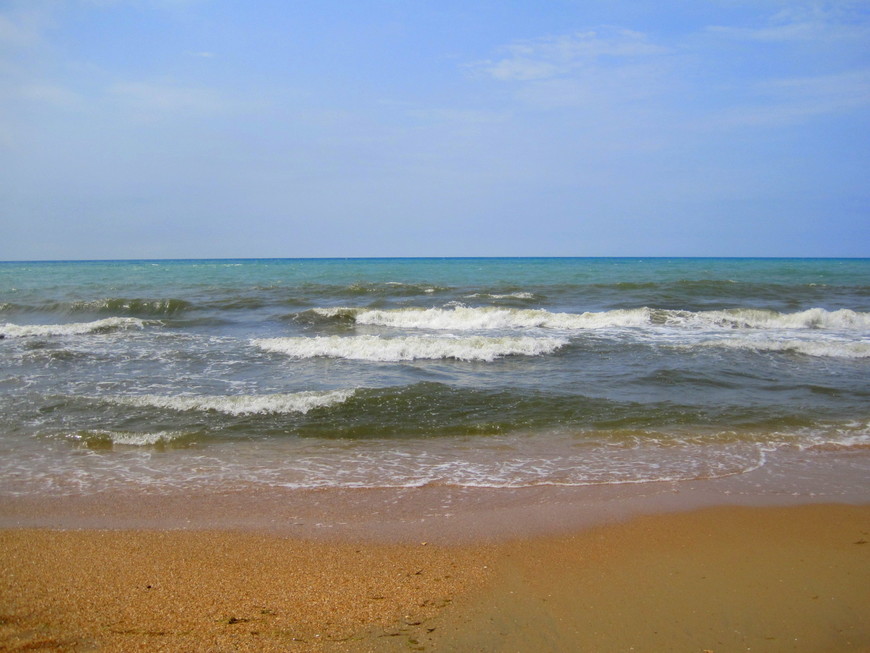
x,y
785,102
51,94
458,116
20,29
802,22
154,99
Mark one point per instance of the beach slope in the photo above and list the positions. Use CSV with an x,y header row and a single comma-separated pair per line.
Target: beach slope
x,y
718,579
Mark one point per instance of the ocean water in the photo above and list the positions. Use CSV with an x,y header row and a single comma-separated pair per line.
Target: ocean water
x,y
173,376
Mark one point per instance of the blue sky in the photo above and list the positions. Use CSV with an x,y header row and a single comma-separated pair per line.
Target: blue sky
x,y
218,128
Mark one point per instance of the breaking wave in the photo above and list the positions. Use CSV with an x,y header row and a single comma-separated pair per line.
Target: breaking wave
x,y
820,348
489,318
471,319
106,325
375,348
814,318
513,295
297,402
100,438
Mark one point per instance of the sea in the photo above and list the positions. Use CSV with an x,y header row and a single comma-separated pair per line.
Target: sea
x,y
174,376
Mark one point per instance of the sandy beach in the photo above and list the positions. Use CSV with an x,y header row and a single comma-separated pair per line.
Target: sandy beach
x,y
716,579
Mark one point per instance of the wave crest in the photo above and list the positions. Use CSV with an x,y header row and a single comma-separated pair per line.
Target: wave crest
x,y
817,348
101,438
297,402
488,318
463,318
375,348
133,306
106,325
813,318
111,305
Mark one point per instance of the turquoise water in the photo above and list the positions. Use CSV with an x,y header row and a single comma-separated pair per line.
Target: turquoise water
x,y
405,372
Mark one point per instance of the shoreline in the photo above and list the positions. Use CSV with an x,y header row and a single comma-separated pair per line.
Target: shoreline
x,y
442,513
717,579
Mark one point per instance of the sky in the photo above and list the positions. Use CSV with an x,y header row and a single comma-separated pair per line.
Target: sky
x,y
291,128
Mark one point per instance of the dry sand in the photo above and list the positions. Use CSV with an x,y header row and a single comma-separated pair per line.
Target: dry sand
x,y
718,579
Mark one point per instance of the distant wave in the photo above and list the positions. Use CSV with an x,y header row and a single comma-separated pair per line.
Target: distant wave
x,y
489,318
113,305
106,325
513,295
324,316
376,289
133,306
298,402
820,348
375,348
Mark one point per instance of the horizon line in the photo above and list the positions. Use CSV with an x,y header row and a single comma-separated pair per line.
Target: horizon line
x,y
411,258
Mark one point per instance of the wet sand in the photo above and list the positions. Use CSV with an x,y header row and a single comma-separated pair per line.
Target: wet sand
x,y
718,579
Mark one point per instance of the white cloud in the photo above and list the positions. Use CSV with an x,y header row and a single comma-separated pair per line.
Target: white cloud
x,y
606,73
522,69
610,89
558,56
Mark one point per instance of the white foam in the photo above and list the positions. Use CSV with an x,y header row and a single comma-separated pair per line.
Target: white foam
x,y
505,462
513,295
298,402
74,329
130,438
814,318
856,441
462,318
495,460
337,311
375,348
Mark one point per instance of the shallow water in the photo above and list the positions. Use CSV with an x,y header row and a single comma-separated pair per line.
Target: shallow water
x,y
188,375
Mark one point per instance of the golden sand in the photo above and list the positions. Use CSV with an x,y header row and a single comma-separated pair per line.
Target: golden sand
x,y
176,591
719,579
